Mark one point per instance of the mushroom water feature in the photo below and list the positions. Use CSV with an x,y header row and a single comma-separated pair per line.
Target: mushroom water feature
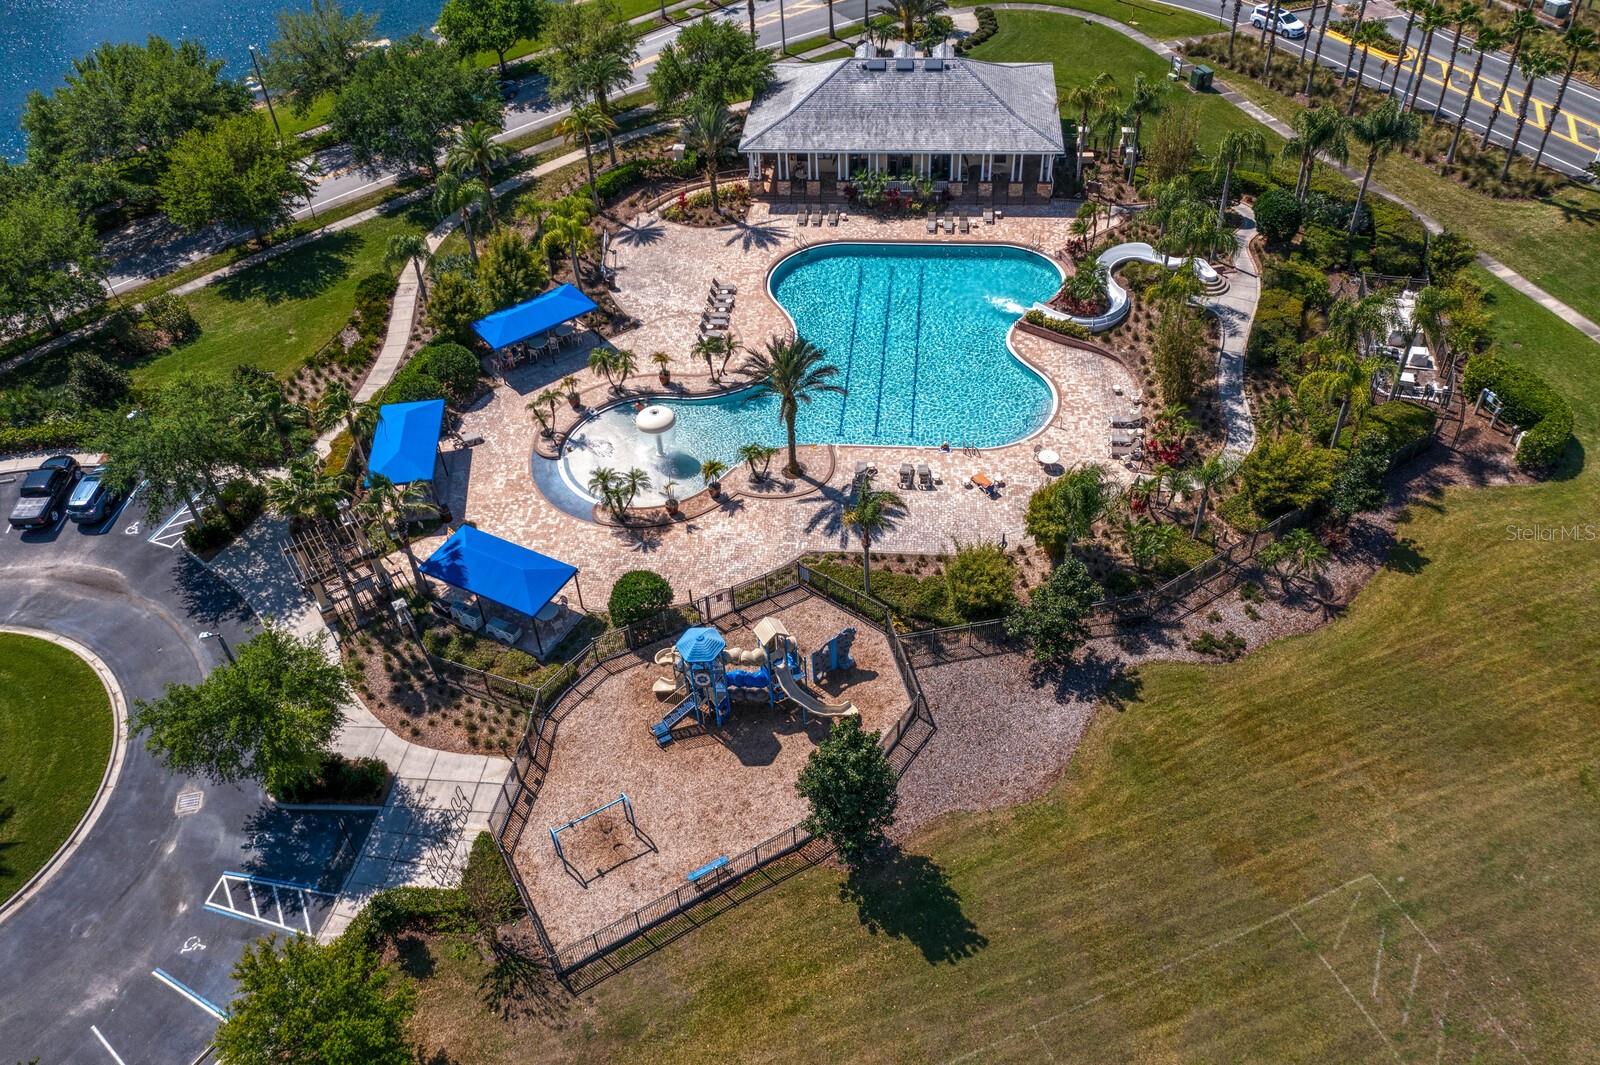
x,y
657,421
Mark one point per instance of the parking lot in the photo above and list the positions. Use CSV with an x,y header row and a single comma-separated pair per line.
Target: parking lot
x,y
125,955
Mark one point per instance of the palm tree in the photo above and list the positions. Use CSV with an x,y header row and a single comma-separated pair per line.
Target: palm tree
x,y
548,398
795,371
604,72
1147,101
1367,35
1233,28
452,194
1088,99
1305,42
1209,476
1433,312
1270,22
750,10
1579,39
1352,323
663,363
1239,146
631,484
1489,40
306,493
910,13
1361,20
1521,22
1458,19
1318,131
603,361
709,347
394,506
708,132
581,125
1382,130
570,233
1348,379
412,248
624,364
875,510
475,150
335,405
1316,57
1536,63
1412,8
759,458
1279,414
1434,19
603,484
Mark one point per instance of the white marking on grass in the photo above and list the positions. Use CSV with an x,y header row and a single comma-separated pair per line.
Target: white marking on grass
x,y
1350,994
1377,964
1411,993
1444,1011
114,1055
1342,928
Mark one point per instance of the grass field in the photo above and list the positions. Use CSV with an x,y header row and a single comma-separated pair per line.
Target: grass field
x,y
1080,50
1554,242
55,732
1156,20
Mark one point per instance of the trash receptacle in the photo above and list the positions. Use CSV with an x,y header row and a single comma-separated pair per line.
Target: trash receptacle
x,y
1200,78
1558,9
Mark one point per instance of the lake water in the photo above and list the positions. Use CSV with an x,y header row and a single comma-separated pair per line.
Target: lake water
x,y
43,37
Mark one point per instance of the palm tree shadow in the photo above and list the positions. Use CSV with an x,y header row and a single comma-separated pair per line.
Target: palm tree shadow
x,y
762,237
909,896
642,235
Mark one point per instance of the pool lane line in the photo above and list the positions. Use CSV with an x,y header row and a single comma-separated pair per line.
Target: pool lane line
x,y
193,996
916,353
850,351
883,352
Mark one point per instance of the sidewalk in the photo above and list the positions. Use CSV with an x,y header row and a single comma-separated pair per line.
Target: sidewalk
x,y
1235,310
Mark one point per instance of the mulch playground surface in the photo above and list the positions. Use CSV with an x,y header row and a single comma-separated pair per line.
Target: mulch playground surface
x,y
715,793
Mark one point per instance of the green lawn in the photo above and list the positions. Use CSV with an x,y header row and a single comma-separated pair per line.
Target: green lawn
x,y
1555,242
276,314
1156,20
1080,50
55,730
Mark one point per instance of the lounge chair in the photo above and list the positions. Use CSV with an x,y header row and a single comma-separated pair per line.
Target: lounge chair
x,y
720,303
802,214
1123,440
863,472
933,223
719,286
833,215
983,483
966,226
907,475
816,215
949,223
1127,420
988,216
924,476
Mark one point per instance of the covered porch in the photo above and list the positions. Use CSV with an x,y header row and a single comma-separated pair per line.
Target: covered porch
x,y
970,177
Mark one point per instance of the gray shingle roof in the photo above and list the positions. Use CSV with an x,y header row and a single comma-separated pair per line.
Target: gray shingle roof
x,y
967,106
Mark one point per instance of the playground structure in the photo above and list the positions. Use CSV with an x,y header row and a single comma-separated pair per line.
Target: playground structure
x,y
603,853
774,671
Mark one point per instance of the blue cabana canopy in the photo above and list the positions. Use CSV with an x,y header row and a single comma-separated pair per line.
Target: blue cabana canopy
x,y
499,570
407,438
700,646
504,328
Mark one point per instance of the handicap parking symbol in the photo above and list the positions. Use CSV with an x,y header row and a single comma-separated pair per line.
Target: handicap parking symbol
x,y
191,944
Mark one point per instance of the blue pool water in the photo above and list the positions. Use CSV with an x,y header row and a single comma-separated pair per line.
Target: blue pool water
x,y
918,332
43,37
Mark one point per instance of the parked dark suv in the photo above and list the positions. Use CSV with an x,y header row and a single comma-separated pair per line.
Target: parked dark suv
x,y
92,500
45,492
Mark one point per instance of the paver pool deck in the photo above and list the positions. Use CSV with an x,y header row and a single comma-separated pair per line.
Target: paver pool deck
x,y
664,271
715,793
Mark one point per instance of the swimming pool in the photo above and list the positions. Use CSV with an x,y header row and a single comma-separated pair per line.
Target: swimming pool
x,y
918,332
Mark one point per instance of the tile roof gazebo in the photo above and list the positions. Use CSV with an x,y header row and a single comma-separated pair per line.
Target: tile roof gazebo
x,y
963,124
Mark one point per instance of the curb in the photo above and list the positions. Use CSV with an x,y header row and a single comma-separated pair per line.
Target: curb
x,y
108,779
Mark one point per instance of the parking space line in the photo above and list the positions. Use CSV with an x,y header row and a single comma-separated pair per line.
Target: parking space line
x,y
189,993
170,534
114,1055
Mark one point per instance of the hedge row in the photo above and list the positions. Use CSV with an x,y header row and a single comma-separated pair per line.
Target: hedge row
x,y
439,371
391,913
1528,403
44,436
988,26
1065,326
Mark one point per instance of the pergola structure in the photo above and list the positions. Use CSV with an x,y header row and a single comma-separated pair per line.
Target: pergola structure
x,y
971,128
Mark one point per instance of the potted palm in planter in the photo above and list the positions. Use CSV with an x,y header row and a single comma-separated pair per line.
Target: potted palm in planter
x,y
711,470
670,491
663,363
759,457
570,383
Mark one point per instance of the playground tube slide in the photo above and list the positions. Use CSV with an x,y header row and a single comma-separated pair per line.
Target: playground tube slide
x,y
812,705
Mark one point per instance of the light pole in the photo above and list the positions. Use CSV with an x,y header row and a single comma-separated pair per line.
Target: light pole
x,y
783,32
265,95
226,650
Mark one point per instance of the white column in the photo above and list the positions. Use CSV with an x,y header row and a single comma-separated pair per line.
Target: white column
x,y
754,160
812,173
783,166
987,173
953,157
843,165
1049,168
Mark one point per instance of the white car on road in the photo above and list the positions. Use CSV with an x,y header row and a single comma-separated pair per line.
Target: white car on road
x,y
1289,24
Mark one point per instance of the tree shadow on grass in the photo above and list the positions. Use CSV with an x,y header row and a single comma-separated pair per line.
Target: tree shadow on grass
x,y
517,985
7,813
296,275
908,896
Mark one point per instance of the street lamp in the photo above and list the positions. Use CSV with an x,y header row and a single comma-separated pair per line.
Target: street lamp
x,y
265,95
225,648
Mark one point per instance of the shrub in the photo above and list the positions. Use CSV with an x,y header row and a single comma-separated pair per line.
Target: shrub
x,y
239,503
341,780
851,790
1054,621
1275,333
408,909
1528,402
1278,215
453,305
44,436
374,293
619,180
92,382
638,594
1403,426
453,366
491,893
981,578
1359,484
988,26
1064,326
1286,473
170,316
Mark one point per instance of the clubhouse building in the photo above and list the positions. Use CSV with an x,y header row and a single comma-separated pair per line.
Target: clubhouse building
x,y
980,131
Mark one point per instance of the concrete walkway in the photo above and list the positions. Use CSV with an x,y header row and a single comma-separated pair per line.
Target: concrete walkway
x,y
1235,309
1561,310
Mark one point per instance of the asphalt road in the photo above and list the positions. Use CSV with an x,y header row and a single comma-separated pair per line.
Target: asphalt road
x,y
79,980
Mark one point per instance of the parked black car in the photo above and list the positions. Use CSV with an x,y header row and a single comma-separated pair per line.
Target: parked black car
x,y
45,492
92,500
